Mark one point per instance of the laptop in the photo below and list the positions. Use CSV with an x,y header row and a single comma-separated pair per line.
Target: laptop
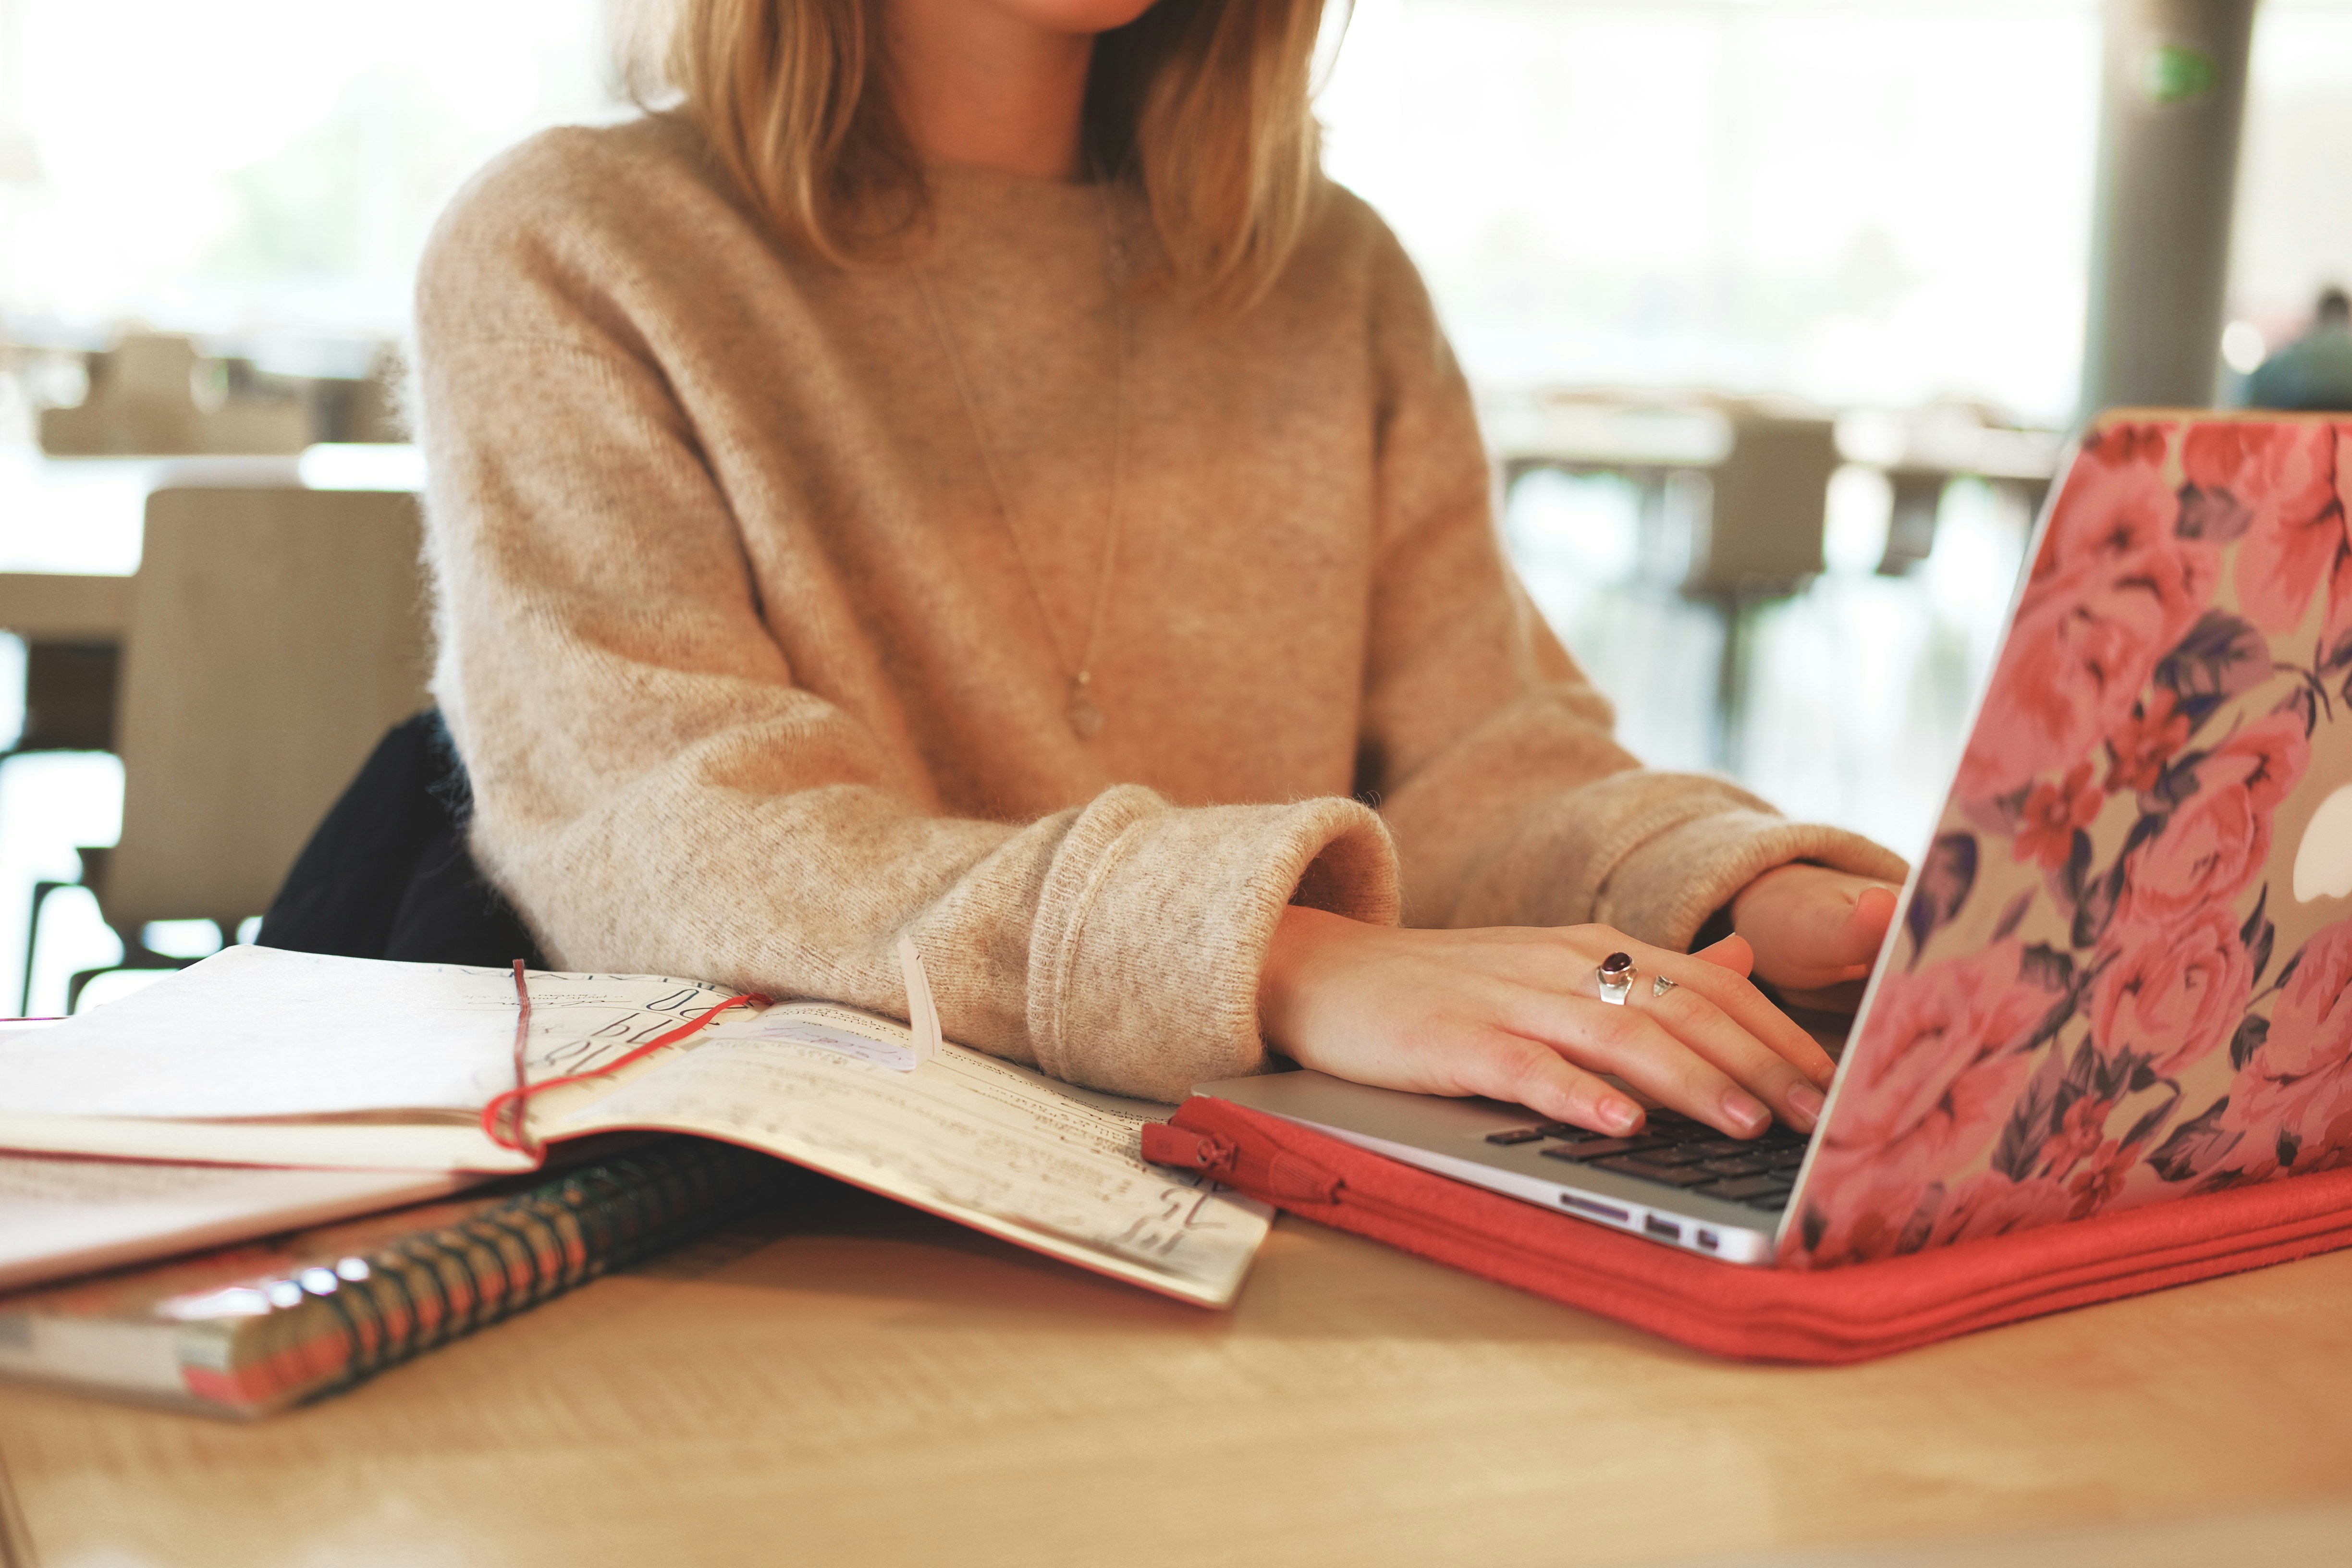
x,y
2121,971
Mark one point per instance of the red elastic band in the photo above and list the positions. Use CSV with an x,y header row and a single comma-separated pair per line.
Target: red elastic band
x,y
510,1105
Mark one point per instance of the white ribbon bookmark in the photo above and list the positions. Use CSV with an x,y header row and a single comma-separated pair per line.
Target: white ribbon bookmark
x,y
852,1031
922,1014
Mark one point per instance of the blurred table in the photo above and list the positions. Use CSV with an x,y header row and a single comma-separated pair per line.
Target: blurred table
x,y
84,515
865,1384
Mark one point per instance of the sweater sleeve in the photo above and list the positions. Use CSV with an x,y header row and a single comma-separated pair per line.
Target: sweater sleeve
x,y
1489,752
656,793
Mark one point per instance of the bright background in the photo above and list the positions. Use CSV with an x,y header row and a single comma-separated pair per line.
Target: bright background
x,y
1866,203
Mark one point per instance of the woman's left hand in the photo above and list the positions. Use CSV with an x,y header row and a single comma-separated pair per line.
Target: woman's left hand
x,y
1815,933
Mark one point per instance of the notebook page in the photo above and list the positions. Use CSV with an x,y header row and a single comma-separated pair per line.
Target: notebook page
x,y
254,1032
61,1215
257,1056
986,1142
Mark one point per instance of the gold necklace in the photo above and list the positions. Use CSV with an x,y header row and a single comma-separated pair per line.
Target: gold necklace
x,y
1085,720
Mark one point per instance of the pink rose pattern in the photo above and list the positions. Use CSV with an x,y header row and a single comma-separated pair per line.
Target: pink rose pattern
x,y
2124,1038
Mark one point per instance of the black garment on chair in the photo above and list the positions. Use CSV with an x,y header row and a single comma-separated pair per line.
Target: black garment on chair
x,y
388,874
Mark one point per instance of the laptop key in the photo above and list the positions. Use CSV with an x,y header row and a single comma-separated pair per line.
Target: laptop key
x,y
1516,1135
1785,1159
1572,1134
1746,1167
1725,1148
1668,1175
1745,1189
1602,1148
1675,1154
1774,1202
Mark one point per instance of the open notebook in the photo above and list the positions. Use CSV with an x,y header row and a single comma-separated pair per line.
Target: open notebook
x,y
262,1056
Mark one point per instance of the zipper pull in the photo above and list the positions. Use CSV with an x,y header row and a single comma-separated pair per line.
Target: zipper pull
x,y
1180,1146
1298,1180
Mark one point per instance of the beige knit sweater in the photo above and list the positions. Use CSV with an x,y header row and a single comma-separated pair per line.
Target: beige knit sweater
x,y
744,666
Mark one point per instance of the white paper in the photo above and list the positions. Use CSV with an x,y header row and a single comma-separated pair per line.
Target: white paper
x,y
61,1215
257,1032
983,1142
851,1031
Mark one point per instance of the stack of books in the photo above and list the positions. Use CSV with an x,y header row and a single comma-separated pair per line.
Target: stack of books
x,y
511,1141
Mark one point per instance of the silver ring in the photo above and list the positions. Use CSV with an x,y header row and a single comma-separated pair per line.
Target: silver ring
x,y
1615,978
1661,985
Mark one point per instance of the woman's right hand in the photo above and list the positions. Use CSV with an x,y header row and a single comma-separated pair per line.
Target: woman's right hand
x,y
1515,1013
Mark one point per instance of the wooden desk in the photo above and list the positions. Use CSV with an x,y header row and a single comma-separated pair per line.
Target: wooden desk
x,y
868,1385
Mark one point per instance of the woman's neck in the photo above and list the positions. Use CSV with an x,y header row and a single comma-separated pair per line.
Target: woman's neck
x,y
977,84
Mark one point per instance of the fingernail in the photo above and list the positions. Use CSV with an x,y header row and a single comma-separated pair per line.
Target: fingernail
x,y
1745,1111
1620,1114
1807,1102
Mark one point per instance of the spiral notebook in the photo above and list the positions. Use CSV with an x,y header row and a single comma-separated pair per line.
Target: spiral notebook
x,y
255,1329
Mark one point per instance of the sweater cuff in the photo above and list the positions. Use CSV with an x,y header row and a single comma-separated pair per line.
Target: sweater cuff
x,y
1667,886
1154,924
1616,853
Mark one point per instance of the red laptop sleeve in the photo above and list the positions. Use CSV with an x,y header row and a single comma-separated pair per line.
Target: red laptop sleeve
x,y
1821,1315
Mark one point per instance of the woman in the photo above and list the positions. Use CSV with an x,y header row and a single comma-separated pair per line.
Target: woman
x,y
965,471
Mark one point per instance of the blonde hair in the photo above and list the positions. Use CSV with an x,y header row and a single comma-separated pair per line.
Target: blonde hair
x,y
1201,104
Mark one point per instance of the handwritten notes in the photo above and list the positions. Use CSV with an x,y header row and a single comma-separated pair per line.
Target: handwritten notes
x,y
987,1143
848,1030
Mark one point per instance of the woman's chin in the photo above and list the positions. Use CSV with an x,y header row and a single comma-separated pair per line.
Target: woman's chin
x,y
1074,15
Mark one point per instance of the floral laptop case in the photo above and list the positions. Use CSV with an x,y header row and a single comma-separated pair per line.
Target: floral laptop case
x,y
2122,972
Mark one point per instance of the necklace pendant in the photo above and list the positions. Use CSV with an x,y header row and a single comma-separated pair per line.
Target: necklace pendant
x,y
1085,719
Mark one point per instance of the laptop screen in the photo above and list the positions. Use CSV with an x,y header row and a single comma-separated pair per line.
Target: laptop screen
x,y
2123,970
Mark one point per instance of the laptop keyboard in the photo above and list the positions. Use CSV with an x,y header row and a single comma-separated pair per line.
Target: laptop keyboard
x,y
1675,1151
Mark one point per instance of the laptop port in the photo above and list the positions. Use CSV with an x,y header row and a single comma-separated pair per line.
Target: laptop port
x,y
1599,1211
1709,1240
1664,1227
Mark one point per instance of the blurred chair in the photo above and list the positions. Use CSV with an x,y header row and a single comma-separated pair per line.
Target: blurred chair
x,y
1764,538
72,631
273,636
1922,451
1771,501
143,402
1914,499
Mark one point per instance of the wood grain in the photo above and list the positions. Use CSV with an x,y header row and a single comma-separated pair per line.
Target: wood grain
x,y
854,1383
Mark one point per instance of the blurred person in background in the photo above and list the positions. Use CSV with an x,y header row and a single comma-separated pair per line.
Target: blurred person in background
x,y
966,471
2313,373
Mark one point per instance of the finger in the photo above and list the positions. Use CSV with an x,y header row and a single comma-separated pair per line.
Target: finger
x,y
1528,1072
1765,1073
1749,1007
1866,925
1634,1047
1543,967
1841,925
1845,998
1732,952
